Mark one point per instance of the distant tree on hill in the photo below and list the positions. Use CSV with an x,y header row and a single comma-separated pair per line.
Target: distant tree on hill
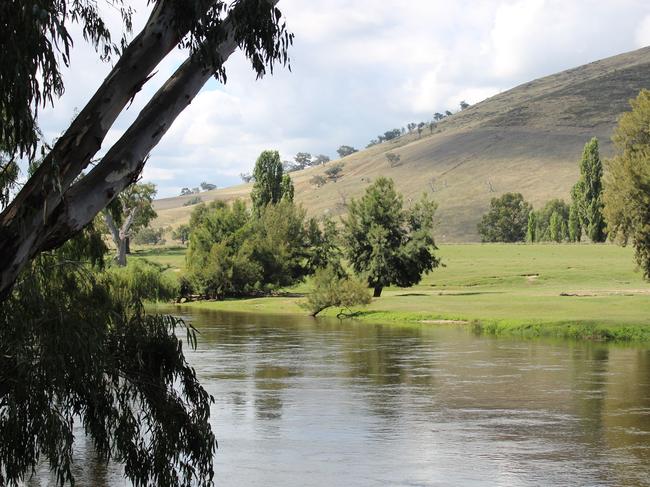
x,y
420,127
333,172
246,177
464,105
208,186
627,185
345,150
389,245
186,191
432,126
320,159
448,113
393,159
391,134
193,201
411,126
302,159
506,220
438,116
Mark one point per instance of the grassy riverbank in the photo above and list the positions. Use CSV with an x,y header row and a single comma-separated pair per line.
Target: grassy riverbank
x,y
580,291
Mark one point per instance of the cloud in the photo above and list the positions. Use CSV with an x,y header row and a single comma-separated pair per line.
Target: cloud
x,y
360,68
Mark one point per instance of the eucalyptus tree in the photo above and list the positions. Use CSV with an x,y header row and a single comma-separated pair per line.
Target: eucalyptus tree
x,y
75,342
57,201
130,212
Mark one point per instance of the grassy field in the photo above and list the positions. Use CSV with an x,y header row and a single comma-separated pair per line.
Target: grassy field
x,y
582,291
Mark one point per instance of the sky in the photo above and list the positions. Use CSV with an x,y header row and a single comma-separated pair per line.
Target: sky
x,y
358,68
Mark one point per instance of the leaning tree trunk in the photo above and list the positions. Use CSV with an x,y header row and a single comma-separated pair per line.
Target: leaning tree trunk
x,y
51,208
377,291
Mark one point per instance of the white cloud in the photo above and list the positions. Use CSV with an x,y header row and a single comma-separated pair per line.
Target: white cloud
x,y
358,69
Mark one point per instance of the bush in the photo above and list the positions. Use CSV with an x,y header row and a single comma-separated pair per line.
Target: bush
x,y
329,289
141,281
318,181
193,201
334,171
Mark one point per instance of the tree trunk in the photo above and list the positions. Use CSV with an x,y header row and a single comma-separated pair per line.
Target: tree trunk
x,y
127,245
377,291
50,209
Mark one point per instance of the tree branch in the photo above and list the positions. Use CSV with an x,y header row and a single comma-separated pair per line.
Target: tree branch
x,y
64,213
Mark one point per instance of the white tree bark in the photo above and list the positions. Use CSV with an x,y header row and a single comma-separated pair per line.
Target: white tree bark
x,y
42,217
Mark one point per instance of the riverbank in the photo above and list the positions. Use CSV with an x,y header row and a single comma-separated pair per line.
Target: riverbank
x,y
574,291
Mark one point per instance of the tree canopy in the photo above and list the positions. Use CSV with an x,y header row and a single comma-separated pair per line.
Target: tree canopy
x,y
587,193
627,183
385,242
506,220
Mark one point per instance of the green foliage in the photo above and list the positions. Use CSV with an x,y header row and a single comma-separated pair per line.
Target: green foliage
x,y
34,43
574,226
233,251
267,188
587,193
333,172
531,229
149,236
627,185
387,243
345,150
182,233
329,289
195,200
507,219
9,172
286,188
76,344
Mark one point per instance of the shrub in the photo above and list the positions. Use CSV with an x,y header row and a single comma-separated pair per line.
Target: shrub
x,y
329,289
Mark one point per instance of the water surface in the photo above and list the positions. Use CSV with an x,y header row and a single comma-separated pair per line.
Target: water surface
x,y
301,402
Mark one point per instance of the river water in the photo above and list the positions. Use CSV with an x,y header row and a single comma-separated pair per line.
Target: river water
x,y
303,402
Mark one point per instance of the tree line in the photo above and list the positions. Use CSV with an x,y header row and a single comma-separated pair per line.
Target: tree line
x,y
234,250
512,219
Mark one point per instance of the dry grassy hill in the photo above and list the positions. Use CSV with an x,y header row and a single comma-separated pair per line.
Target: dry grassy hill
x,y
528,139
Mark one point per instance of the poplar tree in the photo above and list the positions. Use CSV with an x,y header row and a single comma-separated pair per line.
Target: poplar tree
x,y
588,192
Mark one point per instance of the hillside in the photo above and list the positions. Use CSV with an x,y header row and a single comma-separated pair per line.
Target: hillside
x,y
528,139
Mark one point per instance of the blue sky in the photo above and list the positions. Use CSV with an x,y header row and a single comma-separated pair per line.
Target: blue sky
x,y
360,67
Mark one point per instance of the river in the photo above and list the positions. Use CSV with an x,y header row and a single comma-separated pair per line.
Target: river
x,y
303,402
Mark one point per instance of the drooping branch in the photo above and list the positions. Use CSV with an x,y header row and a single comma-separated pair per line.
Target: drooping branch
x,y
60,214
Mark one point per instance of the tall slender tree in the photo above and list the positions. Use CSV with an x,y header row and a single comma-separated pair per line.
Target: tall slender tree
x,y
588,193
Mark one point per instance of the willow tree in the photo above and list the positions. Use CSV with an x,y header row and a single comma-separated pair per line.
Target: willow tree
x,y
75,342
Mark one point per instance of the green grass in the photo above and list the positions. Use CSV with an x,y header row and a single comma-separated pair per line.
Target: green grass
x,y
506,289
171,258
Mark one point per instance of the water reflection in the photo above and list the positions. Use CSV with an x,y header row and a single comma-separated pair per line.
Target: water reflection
x,y
317,402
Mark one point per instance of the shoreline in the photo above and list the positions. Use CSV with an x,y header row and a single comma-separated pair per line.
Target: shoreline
x,y
586,330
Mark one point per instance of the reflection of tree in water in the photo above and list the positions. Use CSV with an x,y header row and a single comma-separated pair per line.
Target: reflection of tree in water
x,y
270,381
390,363
627,415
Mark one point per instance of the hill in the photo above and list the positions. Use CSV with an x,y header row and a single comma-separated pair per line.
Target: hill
x,y
528,139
